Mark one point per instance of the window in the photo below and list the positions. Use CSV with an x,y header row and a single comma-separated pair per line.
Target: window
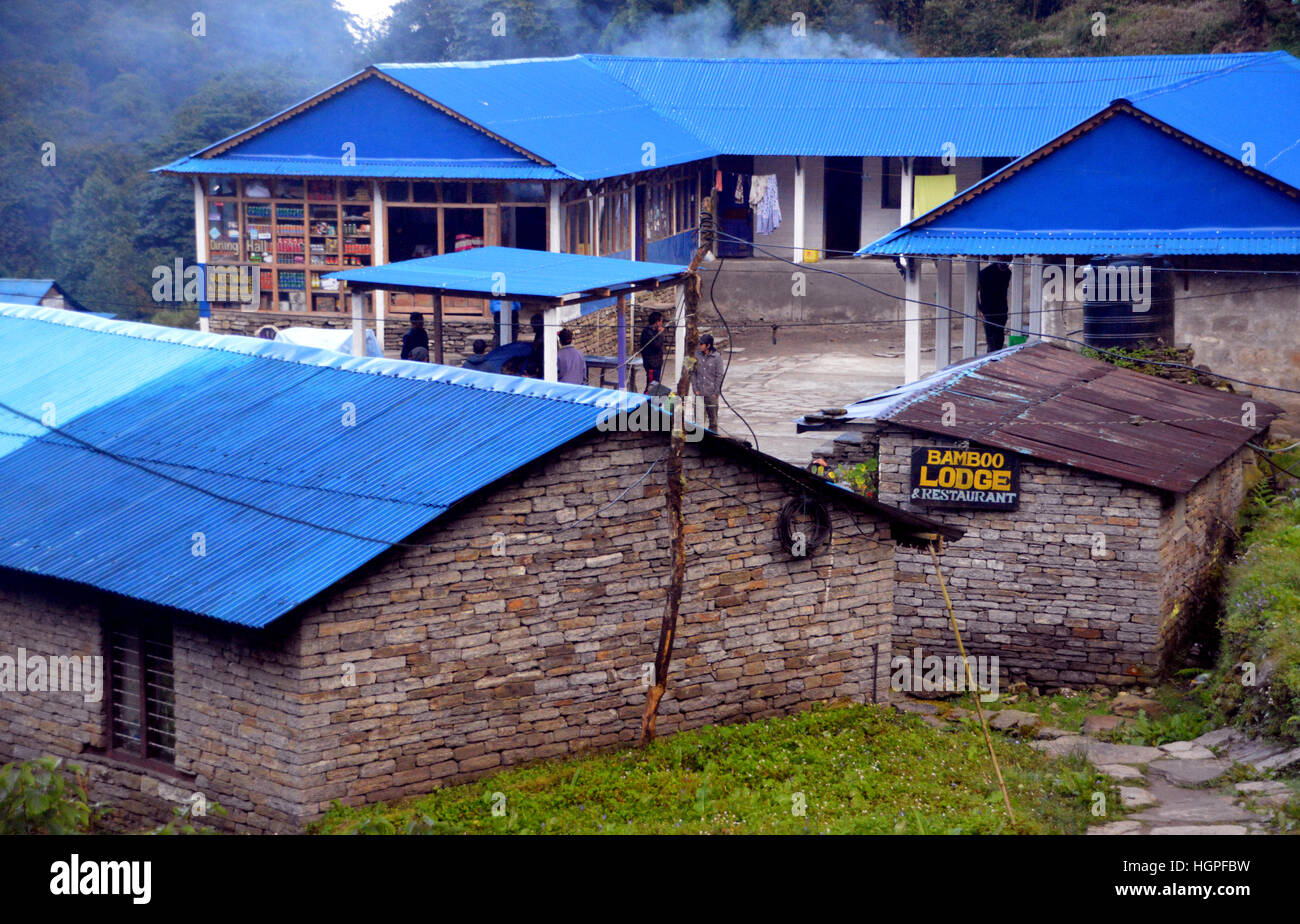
x,y
142,690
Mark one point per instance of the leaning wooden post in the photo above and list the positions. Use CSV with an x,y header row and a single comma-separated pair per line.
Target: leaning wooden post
x,y
622,343
676,519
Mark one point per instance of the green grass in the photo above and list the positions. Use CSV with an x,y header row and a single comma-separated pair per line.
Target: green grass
x,y
1261,627
856,769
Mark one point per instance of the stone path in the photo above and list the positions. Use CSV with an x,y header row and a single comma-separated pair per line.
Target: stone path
x,y
1177,788
1173,785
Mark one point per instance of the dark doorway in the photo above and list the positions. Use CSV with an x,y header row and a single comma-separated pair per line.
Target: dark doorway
x,y
523,227
843,206
412,232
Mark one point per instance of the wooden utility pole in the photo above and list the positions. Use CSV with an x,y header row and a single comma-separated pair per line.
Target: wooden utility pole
x,y
676,518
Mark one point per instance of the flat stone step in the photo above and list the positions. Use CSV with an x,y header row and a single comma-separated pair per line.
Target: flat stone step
x,y
1179,806
1099,752
1190,772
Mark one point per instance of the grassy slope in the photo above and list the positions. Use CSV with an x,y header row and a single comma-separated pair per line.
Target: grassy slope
x,y
861,770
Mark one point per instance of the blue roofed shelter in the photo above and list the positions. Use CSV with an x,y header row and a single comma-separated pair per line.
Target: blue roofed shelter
x,y
562,286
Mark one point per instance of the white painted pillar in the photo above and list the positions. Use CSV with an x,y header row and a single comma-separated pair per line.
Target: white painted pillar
x,y
201,237
379,254
906,190
912,320
800,193
870,200
679,337
505,327
1036,297
358,324
1016,309
970,303
554,227
943,315
550,344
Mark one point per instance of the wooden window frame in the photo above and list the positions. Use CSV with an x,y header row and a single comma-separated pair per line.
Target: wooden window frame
x,y
113,622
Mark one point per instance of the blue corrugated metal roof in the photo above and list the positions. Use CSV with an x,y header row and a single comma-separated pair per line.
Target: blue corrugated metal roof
x,y
592,116
366,168
512,274
1253,107
563,109
1124,186
255,429
992,107
24,291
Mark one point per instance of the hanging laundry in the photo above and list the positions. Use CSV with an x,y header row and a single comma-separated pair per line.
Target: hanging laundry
x,y
717,182
757,189
767,214
740,187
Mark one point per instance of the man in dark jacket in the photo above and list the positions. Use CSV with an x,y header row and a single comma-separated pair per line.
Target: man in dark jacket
x,y
417,336
651,348
480,356
706,378
993,282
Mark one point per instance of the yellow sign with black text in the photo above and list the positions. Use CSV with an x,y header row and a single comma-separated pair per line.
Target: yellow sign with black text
x,y
984,479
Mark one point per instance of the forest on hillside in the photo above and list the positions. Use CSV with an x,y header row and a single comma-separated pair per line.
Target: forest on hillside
x,y
96,93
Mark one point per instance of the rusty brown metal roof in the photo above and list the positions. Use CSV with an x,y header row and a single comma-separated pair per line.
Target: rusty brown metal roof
x,y
1049,403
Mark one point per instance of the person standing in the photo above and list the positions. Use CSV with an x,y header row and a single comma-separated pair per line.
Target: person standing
x,y
651,348
992,297
417,336
570,364
706,378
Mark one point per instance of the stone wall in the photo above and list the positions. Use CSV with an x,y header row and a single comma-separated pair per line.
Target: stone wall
x,y
469,661
236,710
1035,586
444,662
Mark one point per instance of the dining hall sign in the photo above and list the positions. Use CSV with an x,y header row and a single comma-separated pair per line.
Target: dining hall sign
x,y
984,479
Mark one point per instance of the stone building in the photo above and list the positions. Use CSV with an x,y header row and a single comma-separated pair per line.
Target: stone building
x,y
1120,493
312,577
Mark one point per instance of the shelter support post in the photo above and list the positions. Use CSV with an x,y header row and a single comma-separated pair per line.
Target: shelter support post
x,y
437,328
1036,296
800,193
943,314
1016,309
550,344
505,323
201,245
554,229
679,334
379,224
970,302
911,320
622,343
358,324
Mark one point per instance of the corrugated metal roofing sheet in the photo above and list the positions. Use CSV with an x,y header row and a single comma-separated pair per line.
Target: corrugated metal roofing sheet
x,y
1250,109
992,107
511,274
563,109
1049,403
288,498
364,168
1123,186
24,291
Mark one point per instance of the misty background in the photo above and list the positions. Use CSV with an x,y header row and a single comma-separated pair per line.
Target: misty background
x,y
121,86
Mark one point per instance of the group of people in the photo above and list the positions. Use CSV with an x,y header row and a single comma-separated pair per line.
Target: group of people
x,y
571,364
